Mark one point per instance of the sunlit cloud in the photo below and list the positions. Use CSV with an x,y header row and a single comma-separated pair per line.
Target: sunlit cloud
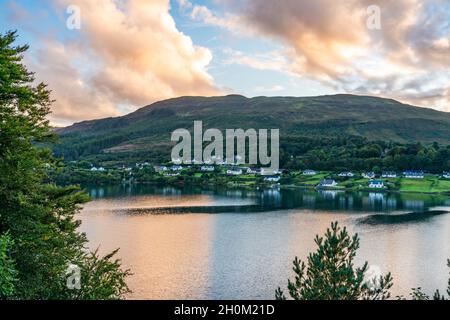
x,y
132,55
264,61
329,41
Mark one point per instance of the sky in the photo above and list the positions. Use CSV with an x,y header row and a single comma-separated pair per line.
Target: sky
x,y
104,58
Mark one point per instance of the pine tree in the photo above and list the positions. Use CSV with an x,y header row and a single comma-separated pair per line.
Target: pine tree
x,y
331,275
40,217
8,272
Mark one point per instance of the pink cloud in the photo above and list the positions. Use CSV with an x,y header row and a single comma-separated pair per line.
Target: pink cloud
x,y
129,54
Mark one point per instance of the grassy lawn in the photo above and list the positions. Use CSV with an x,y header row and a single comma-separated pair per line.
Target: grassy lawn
x,y
430,184
247,177
355,183
310,180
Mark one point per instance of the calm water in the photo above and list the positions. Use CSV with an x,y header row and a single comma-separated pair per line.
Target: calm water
x,y
232,244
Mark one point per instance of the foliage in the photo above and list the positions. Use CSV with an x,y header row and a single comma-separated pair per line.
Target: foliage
x,y
334,133
39,216
341,154
101,278
8,272
330,274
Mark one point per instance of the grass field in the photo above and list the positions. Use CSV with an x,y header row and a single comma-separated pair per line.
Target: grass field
x,y
309,180
430,184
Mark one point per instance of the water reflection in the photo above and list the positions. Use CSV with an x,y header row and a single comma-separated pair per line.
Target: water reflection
x,y
178,251
189,199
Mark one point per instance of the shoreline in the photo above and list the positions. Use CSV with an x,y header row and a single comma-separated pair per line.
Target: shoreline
x,y
269,186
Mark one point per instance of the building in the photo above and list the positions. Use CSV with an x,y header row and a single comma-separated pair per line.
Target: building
x,y
446,175
389,174
207,168
327,183
273,178
235,171
141,166
376,184
270,172
174,174
346,174
411,174
309,172
160,168
368,175
95,169
253,170
176,168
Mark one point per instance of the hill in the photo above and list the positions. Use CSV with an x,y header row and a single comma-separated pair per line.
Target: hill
x,y
146,132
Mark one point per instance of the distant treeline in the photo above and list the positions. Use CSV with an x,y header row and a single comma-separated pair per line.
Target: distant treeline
x,y
357,153
298,152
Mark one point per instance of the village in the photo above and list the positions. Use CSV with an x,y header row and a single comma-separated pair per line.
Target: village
x,y
233,175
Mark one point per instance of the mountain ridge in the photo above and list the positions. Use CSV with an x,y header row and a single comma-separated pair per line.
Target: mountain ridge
x,y
149,127
184,98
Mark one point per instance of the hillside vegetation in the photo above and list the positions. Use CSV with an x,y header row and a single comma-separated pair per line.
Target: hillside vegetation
x,y
340,126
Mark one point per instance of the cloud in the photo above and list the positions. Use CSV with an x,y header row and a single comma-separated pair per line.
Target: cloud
x,y
231,22
272,89
329,41
274,60
127,54
16,12
76,98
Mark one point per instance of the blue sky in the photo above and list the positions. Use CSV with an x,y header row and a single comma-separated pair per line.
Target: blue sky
x,y
130,53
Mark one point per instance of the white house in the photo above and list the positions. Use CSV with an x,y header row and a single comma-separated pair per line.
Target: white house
x,y
95,169
269,172
326,183
346,174
160,168
376,184
446,175
389,174
309,172
414,174
253,171
207,168
168,174
272,178
368,175
234,171
141,166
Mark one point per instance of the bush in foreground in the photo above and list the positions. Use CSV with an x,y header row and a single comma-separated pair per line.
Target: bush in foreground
x,y
329,274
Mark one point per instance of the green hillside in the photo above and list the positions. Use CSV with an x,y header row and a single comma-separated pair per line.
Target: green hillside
x,y
146,132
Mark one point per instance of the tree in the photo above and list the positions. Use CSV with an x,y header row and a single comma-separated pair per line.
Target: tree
x,y
8,273
38,216
330,274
